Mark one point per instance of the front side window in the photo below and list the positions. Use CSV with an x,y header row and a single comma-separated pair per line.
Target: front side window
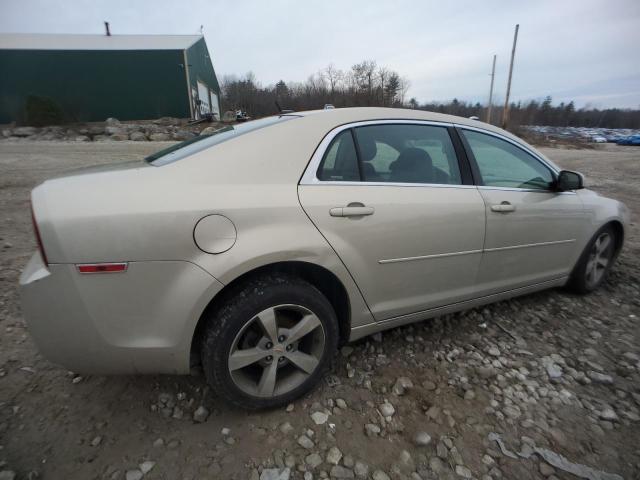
x,y
407,153
502,164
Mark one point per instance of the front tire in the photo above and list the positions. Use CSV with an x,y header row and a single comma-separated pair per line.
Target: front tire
x,y
270,342
594,263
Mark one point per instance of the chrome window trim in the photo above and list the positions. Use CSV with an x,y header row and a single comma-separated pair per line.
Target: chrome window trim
x,y
310,174
525,190
387,184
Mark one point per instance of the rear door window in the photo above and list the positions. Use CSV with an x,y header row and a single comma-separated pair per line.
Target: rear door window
x,y
407,153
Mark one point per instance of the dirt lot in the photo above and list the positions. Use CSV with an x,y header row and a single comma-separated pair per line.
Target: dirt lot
x,y
553,370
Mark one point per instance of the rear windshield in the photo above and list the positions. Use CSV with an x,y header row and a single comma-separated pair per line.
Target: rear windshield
x,y
202,142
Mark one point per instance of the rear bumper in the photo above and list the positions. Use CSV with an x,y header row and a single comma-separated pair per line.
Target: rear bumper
x,y
138,321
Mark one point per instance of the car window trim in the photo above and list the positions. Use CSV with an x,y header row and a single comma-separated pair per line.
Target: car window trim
x,y
310,175
464,163
356,145
476,170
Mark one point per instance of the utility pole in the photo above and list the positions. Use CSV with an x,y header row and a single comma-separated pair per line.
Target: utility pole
x,y
493,74
505,114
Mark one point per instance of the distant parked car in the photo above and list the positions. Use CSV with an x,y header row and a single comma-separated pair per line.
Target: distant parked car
x,y
598,139
614,137
241,116
329,106
632,140
256,251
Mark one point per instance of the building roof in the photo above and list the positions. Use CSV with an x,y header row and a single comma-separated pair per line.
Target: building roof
x,y
45,41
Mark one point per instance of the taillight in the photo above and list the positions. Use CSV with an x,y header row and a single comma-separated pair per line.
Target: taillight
x,y
38,238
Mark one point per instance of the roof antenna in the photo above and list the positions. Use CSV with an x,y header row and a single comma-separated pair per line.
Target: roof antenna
x,y
281,110
106,27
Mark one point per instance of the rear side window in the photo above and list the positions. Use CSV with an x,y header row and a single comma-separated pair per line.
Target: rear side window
x,y
202,142
407,153
340,162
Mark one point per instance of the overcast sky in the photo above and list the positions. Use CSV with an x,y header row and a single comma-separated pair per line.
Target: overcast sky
x,y
585,50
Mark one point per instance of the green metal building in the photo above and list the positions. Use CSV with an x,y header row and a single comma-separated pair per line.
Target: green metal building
x,y
94,77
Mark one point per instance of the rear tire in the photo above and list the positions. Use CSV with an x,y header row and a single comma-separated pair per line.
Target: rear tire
x,y
595,262
270,342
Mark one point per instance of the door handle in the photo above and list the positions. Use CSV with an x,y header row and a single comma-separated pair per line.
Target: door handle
x,y
504,207
359,211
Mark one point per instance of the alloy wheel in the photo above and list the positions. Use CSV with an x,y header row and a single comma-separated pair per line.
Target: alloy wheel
x,y
599,259
276,350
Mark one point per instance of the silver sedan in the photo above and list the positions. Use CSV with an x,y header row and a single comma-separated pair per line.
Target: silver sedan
x,y
256,251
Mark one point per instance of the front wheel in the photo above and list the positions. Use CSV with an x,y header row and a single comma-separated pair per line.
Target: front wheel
x,y
595,262
270,343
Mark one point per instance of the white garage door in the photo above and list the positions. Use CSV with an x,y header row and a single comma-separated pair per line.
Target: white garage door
x,y
203,96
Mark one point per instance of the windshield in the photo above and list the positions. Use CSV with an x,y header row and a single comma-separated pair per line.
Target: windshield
x,y
202,142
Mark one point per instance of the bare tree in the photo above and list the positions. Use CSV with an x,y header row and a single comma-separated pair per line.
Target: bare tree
x,y
405,83
383,75
333,77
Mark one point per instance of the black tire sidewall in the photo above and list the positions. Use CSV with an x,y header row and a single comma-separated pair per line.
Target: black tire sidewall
x,y
254,297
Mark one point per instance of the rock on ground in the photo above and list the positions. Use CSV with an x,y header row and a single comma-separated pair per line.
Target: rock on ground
x,y
275,474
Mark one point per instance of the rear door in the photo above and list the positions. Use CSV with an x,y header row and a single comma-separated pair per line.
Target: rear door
x,y
531,230
400,210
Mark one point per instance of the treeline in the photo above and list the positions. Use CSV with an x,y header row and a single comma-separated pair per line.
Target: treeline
x,y
368,84
542,113
364,84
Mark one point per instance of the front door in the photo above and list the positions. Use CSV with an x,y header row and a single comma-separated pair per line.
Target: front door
x,y
390,200
531,231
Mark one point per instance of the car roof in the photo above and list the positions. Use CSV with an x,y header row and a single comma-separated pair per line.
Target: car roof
x,y
381,113
341,116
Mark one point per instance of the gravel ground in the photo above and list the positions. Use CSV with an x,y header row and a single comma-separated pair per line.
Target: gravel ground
x,y
550,372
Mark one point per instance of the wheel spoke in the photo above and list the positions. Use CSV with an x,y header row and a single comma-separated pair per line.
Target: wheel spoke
x,y
596,246
603,243
306,325
242,358
269,324
590,265
593,274
267,383
303,361
602,262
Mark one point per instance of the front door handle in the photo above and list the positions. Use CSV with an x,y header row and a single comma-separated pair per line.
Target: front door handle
x,y
504,207
351,210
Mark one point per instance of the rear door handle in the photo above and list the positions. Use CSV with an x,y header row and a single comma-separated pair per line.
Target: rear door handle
x,y
504,207
359,211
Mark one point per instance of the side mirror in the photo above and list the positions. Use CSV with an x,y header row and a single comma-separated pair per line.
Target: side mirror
x,y
568,180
